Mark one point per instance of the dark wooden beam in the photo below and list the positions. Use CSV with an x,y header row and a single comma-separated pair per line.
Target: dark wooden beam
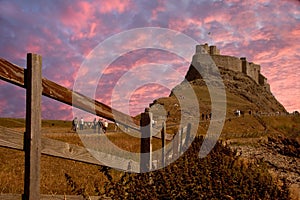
x,y
163,144
146,143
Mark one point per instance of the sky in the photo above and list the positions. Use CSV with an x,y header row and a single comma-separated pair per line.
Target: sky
x,y
66,33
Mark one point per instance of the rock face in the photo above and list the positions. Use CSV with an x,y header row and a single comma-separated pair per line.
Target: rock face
x,y
282,156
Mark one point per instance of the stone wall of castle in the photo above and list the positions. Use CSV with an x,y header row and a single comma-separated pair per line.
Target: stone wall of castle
x,y
228,62
264,82
253,71
233,63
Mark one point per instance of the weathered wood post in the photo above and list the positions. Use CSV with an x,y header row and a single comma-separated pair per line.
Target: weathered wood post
x,y
188,135
163,144
175,145
146,145
32,135
180,140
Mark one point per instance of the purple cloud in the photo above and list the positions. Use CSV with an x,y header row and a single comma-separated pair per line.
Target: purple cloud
x,y
64,32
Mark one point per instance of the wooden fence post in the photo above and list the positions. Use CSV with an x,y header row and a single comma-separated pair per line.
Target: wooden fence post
x,y
175,145
32,135
146,145
163,144
187,136
180,140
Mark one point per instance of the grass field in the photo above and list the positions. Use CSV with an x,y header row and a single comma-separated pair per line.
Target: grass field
x,y
53,170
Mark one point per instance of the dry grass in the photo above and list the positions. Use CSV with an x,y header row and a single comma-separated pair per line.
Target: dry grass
x,y
53,169
52,173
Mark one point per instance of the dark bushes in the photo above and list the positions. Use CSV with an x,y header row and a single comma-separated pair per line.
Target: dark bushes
x,y
220,175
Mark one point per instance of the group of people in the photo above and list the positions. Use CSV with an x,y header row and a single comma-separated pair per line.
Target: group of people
x,y
99,125
206,116
77,124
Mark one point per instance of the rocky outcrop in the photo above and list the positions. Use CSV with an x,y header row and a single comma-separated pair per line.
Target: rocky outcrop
x,y
281,154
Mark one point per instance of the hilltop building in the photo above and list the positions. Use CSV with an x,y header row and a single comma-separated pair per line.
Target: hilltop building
x,y
233,63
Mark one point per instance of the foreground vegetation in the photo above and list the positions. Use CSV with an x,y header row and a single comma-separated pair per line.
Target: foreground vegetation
x,y
220,175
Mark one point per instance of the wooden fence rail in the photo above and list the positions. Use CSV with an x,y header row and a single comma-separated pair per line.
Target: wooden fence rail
x,y
14,74
14,140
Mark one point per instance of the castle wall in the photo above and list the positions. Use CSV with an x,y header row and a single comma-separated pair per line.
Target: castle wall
x,y
228,62
232,63
262,80
267,87
253,71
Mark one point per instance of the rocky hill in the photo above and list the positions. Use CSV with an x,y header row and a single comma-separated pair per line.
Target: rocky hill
x,y
241,88
242,93
264,131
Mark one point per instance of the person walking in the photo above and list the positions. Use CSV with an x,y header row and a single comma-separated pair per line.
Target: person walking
x,y
100,125
81,123
74,124
105,125
94,125
116,126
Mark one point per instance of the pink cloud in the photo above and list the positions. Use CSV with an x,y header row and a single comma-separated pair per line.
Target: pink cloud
x,y
80,18
161,7
3,104
65,33
115,5
77,14
52,109
142,97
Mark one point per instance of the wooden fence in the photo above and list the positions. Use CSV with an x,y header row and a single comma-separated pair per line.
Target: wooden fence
x,y
33,144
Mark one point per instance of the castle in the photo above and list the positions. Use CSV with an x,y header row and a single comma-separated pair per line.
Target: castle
x,y
233,63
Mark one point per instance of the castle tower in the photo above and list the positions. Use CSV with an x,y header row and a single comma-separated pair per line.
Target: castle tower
x,y
213,50
203,48
245,65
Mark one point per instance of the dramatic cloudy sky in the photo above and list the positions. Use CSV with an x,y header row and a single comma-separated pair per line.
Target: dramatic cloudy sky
x,y
267,32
